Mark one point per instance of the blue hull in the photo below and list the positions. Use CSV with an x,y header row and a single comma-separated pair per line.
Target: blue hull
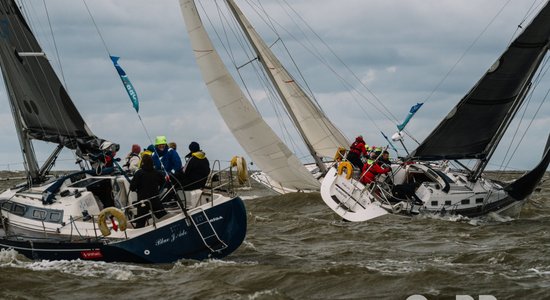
x,y
165,244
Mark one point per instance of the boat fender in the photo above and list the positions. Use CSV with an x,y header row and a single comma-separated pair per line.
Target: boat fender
x,y
242,170
349,169
111,211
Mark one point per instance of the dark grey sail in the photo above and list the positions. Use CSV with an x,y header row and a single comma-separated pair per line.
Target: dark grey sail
x,y
473,129
41,107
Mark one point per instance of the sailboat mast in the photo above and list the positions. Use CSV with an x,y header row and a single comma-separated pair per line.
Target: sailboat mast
x,y
29,157
491,147
239,17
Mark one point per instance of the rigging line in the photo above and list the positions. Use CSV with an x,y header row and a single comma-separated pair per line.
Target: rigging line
x,y
55,46
312,99
345,83
465,52
227,51
527,14
109,53
342,62
58,59
34,76
230,54
525,108
279,38
239,36
534,116
96,27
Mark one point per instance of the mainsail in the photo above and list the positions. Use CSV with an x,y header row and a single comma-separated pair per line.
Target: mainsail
x,y
41,107
473,128
318,131
251,131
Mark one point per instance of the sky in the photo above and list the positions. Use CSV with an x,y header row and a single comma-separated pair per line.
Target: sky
x,y
404,52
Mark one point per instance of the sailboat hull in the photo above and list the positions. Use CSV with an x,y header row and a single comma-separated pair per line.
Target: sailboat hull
x,y
165,244
439,195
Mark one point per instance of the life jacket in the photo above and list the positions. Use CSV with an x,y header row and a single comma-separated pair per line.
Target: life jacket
x,y
373,170
357,148
129,158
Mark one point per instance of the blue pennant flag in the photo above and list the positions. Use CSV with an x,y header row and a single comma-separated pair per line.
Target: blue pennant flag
x,y
413,110
387,139
126,82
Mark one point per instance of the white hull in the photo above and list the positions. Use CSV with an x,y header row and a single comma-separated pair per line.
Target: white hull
x,y
437,191
74,217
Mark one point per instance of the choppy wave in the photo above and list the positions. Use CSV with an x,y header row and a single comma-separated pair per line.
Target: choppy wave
x,y
79,268
297,248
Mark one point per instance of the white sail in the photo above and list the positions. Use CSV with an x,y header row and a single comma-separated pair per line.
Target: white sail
x,y
320,133
256,137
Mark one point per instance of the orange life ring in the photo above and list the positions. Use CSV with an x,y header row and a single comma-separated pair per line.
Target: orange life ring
x,y
348,166
111,211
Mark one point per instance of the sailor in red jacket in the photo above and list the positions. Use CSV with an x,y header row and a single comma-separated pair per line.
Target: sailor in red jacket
x,y
357,149
370,170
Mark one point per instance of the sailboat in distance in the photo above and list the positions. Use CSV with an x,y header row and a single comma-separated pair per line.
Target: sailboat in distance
x,y
90,214
472,130
282,171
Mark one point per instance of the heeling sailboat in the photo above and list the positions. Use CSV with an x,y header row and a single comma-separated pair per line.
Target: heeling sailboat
x,y
320,136
472,130
62,218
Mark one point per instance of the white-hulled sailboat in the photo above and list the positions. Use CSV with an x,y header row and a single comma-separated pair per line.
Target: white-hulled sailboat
x,y
471,131
282,171
67,217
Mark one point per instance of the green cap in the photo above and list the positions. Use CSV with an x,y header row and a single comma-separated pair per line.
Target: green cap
x,y
159,140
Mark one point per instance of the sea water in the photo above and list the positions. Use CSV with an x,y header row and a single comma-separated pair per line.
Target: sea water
x,y
296,248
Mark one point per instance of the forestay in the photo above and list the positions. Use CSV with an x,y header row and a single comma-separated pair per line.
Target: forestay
x,y
251,131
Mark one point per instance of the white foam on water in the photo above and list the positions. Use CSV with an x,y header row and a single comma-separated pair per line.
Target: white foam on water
x,y
81,268
210,264
8,257
116,271
249,245
260,294
538,272
250,197
261,219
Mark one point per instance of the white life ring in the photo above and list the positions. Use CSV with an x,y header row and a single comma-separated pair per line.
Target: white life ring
x,y
397,208
115,212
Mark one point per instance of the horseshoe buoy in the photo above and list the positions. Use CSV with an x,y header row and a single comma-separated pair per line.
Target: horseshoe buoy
x,y
242,170
117,214
347,165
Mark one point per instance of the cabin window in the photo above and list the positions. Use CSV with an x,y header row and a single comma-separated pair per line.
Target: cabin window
x,y
19,209
435,203
465,201
479,200
6,206
39,214
448,202
55,217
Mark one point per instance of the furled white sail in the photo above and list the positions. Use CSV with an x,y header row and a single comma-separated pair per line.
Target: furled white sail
x,y
255,136
320,133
